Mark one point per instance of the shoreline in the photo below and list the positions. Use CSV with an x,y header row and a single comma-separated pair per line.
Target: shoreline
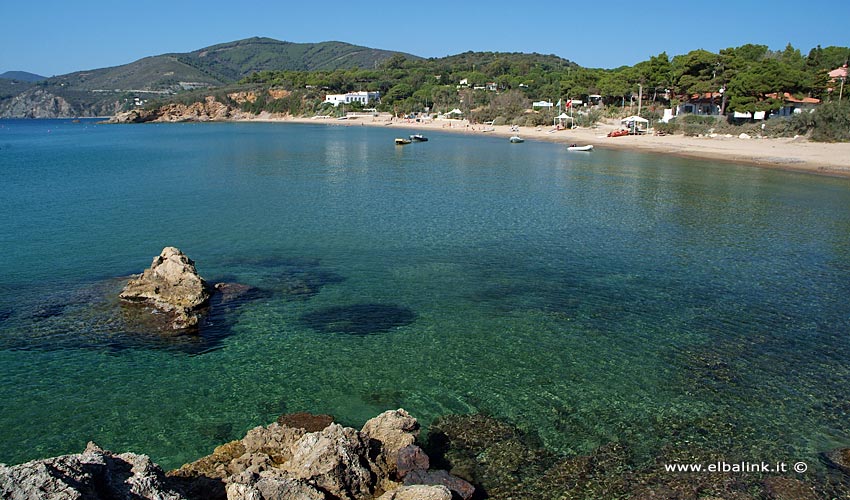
x,y
788,154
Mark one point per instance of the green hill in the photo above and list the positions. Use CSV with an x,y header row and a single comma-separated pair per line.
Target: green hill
x,y
104,91
501,61
21,76
235,60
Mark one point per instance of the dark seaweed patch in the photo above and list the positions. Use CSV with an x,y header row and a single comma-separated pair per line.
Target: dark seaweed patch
x,y
385,398
359,319
294,278
47,311
92,317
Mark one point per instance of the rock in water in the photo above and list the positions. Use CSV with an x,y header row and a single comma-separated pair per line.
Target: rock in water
x,y
171,285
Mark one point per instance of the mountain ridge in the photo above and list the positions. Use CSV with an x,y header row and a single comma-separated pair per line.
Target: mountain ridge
x,y
22,76
104,91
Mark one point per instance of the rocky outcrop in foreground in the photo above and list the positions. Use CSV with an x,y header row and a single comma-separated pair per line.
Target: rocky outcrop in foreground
x,y
171,285
278,461
92,474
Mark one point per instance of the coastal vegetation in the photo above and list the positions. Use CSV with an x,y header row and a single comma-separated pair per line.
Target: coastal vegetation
x,y
265,75
501,87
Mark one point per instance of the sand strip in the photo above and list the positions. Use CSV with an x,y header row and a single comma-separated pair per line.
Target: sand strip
x,y
798,154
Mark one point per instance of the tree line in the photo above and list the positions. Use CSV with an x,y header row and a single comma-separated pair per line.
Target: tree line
x,y
744,76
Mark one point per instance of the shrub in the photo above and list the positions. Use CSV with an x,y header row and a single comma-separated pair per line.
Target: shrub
x,y
798,124
588,118
831,122
689,119
670,127
499,120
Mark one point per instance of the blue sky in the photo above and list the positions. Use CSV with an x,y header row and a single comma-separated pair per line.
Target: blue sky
x,y
51,37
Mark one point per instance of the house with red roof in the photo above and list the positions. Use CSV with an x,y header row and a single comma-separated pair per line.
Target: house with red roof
x,y
707,103
792,105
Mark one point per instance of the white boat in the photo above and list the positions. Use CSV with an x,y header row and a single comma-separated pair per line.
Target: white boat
x,y
516,139
574,147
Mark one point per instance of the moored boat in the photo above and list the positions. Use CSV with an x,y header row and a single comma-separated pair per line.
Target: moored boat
x,y
418,138
516,139
575,147
401,141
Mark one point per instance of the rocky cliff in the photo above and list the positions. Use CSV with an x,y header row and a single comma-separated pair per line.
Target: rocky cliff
x,y
208,110
41,103
285,460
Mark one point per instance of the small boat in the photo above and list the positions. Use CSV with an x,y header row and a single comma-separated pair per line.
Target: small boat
x,y
418,138
574,147
401,141
516,139
618,133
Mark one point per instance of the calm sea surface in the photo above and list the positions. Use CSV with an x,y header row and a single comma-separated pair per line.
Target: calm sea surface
x,y
587,298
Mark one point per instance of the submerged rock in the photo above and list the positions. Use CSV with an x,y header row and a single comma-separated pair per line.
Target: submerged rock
x,y
840,459
358,319
171,285
305,421
93,474
786,488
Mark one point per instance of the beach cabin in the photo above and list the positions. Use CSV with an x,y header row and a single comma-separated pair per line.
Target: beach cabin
x,y
701,104
792,105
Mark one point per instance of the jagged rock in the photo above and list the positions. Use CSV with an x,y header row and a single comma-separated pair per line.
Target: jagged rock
x,y
276,442
273,462
411,458
93,474
172,285
335,460
270,487
207,110
302,450
132,116
418,492
215,466
388,433
440,477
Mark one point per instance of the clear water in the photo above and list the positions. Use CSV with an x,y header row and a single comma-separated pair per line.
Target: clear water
x,y
588,298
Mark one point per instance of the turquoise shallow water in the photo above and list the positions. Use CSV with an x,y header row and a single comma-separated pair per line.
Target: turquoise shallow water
x,y
587,298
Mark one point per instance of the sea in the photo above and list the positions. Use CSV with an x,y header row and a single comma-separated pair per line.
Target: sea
x,y
585,298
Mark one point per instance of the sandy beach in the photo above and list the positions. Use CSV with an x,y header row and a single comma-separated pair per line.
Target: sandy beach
x,y
798,154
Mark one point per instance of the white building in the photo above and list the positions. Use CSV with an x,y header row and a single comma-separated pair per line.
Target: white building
x,y
542,104
363,98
